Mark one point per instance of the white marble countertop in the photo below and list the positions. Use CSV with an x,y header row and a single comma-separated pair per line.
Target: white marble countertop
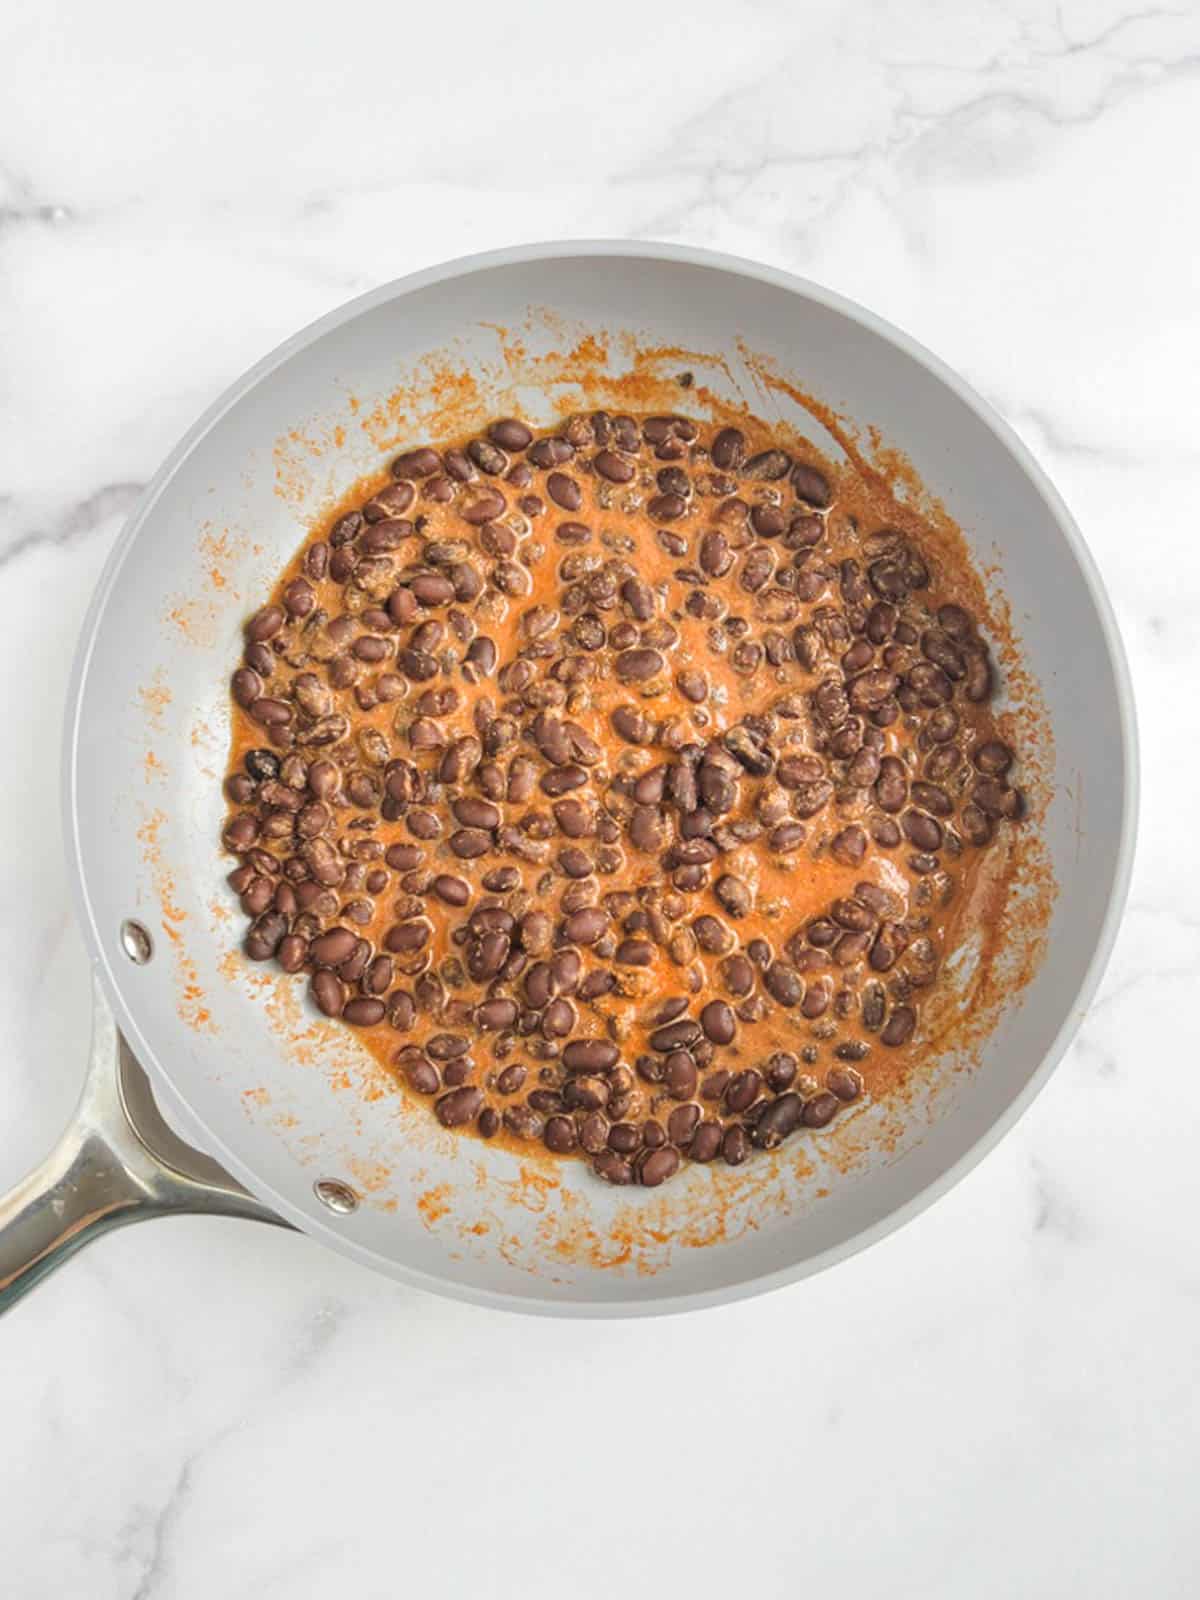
x,y
999,1400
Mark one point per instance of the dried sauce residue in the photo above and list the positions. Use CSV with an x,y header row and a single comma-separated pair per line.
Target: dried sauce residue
x,y
155,698
190,999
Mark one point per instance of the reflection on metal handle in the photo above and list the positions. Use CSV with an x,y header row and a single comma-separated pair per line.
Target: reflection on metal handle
x,y
117,1162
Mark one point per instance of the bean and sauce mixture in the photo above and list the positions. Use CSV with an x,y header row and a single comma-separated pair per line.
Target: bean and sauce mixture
x,y
622,785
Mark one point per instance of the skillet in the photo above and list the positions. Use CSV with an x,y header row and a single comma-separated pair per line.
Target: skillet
x,y
212,1086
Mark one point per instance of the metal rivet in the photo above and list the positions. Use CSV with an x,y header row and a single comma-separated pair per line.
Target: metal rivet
x,y
136,942
338,1196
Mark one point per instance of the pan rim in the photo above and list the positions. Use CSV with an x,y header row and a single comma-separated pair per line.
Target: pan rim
x,y
634,251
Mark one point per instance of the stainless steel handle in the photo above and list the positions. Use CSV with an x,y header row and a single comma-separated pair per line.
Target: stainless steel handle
x,y
117,1162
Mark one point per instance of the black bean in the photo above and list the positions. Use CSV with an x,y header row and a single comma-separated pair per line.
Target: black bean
x,y
844,1082
714,555
681,1035
781,1118
728,449
820,1111
420,463
564,491
657,1166
874,1005
768,466
784,984
733,894
680,1075
993,757
363,1012
849,846
810,485
718,1021
738,975
510,434
329,993
744,1089
636,666
682,1124
943,652
898,1029
551,452
334,947
559,1134
612,1167
265,624
976,825
922,830
735,1146
460,1106
617,469
523,1122
780,1071
816,1000
511,1079
484,507
891,787
590,1055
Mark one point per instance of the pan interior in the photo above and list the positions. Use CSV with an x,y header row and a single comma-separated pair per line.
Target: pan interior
x,y
286,1100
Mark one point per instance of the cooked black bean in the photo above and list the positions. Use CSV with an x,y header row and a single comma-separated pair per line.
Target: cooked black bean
x,y
849,846
718,1021
458,1107
976,825
735,1146
781,1118
768,465
820,1111
590,1055
784,984
363,1012
332,948
993,758
899,1027
421,463
680,1075
510,433
922,830
564,491
636,666
329,993
844,1082
810,485
657,1166
612,1167
729,449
